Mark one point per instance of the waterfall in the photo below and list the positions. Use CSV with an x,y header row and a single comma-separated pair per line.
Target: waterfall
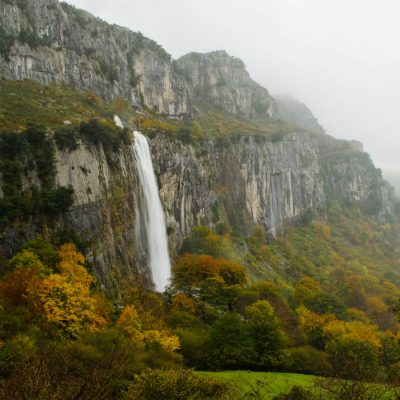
x,y
118,121
151,228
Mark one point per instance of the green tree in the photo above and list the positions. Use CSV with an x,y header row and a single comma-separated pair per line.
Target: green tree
x,y
230,344
266,333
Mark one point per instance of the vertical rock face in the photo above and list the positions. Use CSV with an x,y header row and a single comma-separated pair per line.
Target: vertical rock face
x,y
251,181
222,81
104,211
247,182
51,42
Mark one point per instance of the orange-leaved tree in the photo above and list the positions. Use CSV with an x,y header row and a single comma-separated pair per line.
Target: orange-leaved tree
x,y
62,299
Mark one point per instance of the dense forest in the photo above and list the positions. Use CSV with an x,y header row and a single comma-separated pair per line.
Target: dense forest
x,y
62,337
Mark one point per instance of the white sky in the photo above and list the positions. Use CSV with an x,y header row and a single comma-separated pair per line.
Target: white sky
x,y
340,57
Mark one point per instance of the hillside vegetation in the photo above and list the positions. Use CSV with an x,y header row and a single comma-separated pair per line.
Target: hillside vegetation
x,y
322,298
338,321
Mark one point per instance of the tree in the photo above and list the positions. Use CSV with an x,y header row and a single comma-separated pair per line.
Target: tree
x,y
64,298
18,285
210,281
352,373
230,344
306,289
266,333
325,303
129,320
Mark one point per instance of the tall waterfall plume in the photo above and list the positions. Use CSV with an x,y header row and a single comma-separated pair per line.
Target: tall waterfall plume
x,y
151,229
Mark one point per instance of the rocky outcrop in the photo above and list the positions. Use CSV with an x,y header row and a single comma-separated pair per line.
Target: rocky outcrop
x,y
297,114
49,42
221,81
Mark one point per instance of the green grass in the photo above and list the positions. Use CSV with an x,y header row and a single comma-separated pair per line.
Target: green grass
x,y
276,382
28,101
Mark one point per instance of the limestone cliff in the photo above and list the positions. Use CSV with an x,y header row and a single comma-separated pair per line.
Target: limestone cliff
x,y
246,182
252,181
48,41
219,80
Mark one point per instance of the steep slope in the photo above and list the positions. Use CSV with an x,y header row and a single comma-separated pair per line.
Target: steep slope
x,y
52,42
297,113
222,81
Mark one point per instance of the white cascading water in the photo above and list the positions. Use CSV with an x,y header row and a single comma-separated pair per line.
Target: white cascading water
x,y
118,122
151,219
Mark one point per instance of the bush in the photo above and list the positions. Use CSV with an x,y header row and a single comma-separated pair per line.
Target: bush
x,y
6,42
13,145
31,39
308,360
72,369
175,385
42,151
56,201
276,137
296,393
33,149
66,138
99,133
185,135
260,106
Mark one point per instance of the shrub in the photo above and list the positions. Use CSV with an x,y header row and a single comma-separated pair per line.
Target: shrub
x,y
277,137
42,150
307,359
31,39
66,138
6,42
260,106
175,385
98,133
72,369
296,393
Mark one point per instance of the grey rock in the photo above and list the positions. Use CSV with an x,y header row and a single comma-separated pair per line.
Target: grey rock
x,y
221,81
55,42
297,113
244,183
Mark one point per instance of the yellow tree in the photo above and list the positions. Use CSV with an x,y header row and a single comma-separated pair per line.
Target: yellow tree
x,y
131,323
65,298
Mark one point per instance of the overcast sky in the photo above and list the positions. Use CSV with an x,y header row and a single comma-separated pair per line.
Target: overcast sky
x,y
340,57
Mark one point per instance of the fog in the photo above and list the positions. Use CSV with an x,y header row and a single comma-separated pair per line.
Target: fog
x,y
340,57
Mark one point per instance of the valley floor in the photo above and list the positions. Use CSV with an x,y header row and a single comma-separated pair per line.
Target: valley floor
x,y
269,384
